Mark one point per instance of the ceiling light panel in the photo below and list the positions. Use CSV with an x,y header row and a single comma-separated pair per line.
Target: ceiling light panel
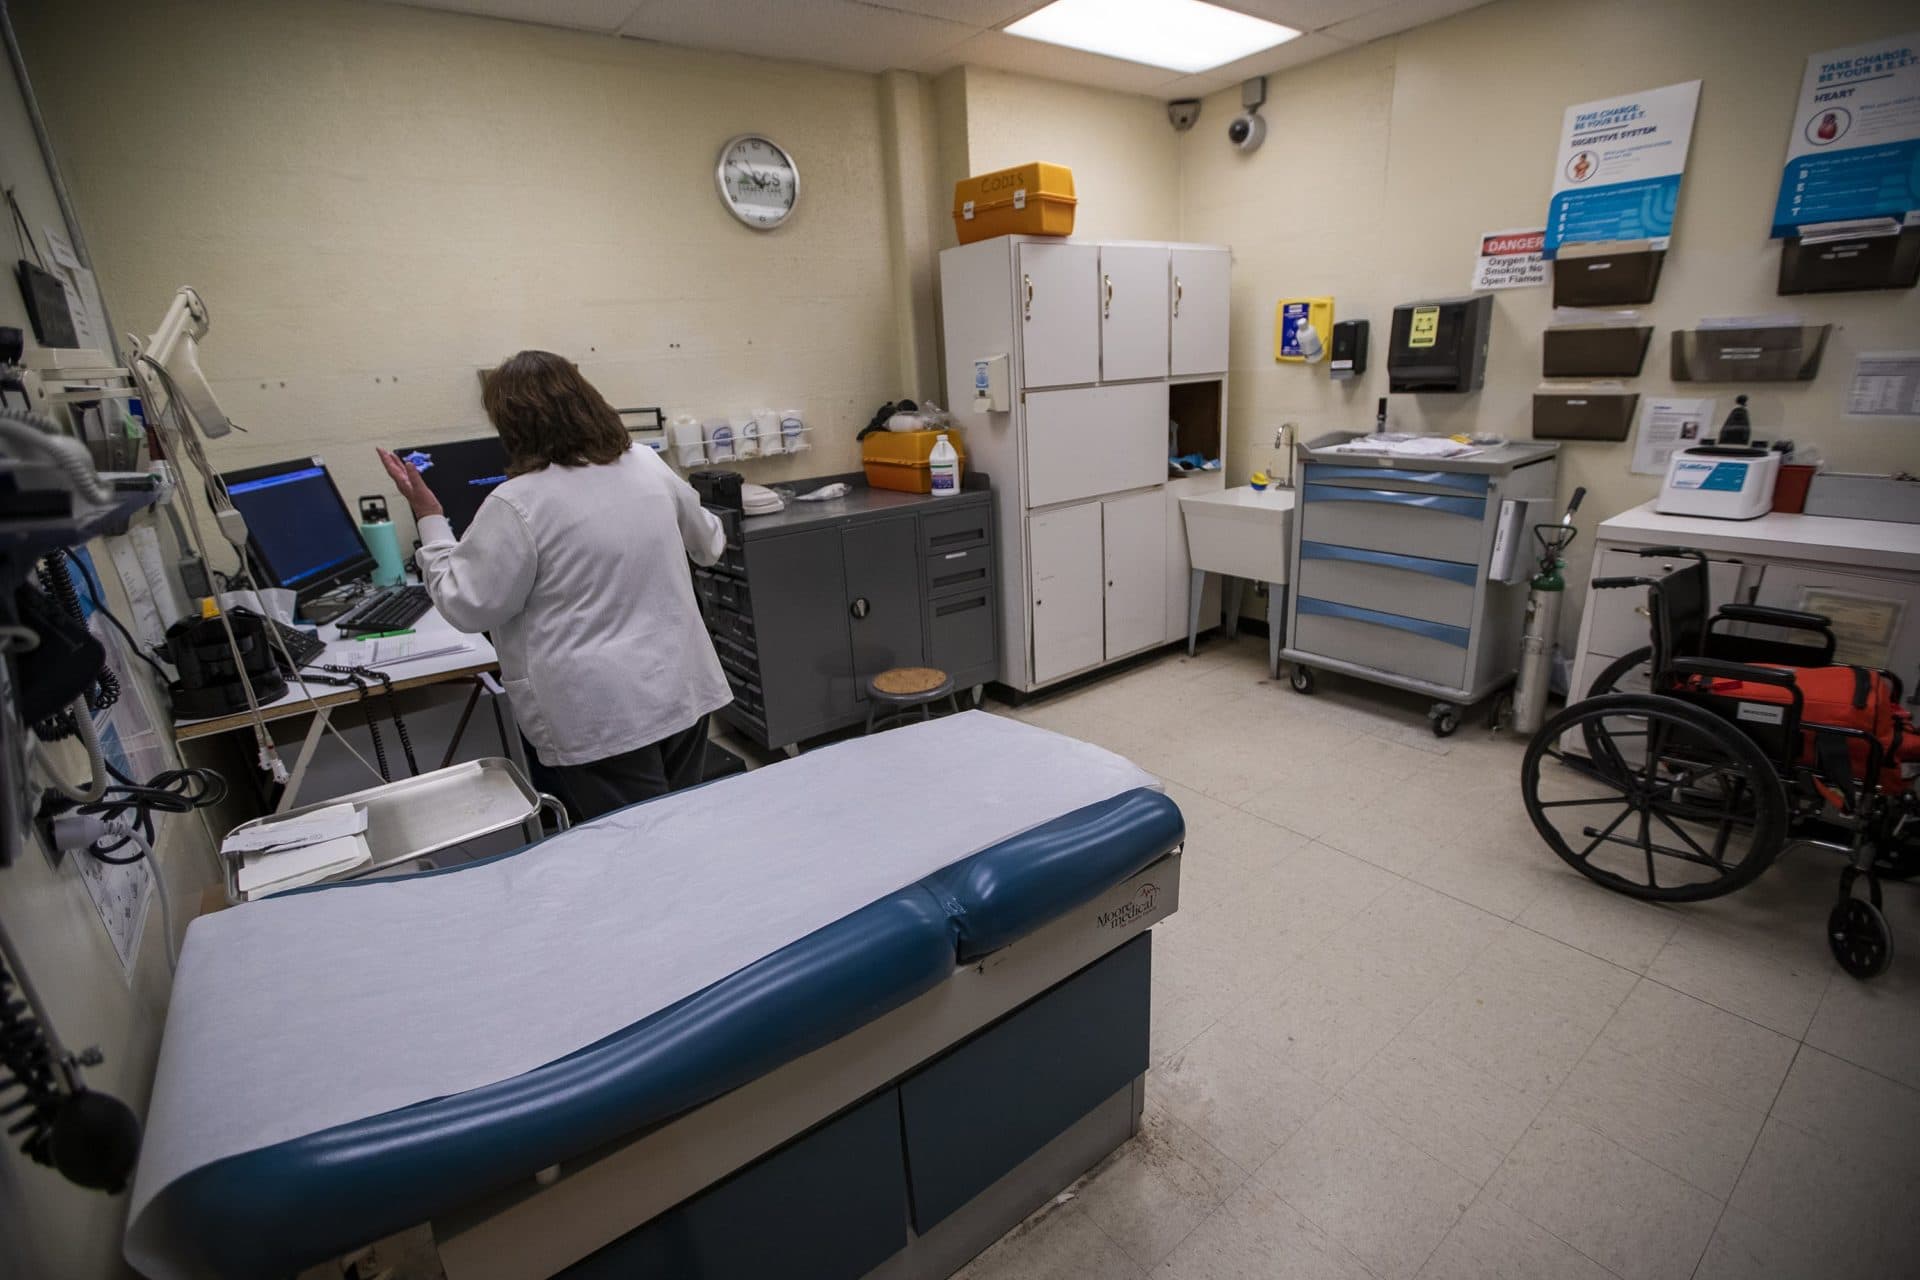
x,y
1180,35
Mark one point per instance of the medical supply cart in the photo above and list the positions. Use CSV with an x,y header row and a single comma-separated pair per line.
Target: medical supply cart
x,y
1412,572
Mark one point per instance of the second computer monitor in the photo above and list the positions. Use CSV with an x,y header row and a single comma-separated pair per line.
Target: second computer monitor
x,y
461,474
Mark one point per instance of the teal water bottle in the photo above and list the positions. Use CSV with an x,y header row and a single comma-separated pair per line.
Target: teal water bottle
x,y
383,542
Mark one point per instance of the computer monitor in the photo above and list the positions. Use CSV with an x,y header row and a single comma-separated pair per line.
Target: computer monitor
x,y
461,474
298,526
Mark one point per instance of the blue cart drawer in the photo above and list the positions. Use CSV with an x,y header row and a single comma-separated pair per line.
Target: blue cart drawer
x,y
971,1116
1433,526
1409,479
1401,646
1434,590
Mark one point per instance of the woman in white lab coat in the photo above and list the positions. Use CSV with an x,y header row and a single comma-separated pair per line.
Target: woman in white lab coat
x,y
577,566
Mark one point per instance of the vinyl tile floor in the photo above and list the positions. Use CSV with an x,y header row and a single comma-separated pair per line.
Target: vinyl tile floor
x,y
1395,1037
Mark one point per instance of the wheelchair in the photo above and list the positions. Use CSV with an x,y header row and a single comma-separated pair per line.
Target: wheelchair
x,y
1741,743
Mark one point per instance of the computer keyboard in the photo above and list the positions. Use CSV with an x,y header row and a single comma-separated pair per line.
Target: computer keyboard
x,y
387,609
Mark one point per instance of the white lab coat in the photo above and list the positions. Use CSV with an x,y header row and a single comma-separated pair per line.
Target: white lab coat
x,y
580,576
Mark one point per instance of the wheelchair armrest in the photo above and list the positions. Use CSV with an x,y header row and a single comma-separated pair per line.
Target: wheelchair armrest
x,y
1603,584
1732,671
1774,617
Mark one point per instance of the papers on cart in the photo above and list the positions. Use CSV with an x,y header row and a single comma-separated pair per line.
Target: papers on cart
x,y
277,856
1395,444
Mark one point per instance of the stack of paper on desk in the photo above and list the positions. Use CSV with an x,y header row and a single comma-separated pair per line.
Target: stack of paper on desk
x,y
276,856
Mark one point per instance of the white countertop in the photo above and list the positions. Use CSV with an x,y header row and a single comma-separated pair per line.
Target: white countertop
x,y
1875,544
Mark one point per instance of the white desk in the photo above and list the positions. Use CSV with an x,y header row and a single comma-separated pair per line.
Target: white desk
x,y
1242,535
431,631
1788,561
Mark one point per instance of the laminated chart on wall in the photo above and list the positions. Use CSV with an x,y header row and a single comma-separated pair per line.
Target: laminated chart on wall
x,y
1854,150
1617,175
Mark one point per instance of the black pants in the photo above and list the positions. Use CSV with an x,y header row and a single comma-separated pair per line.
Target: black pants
x,y
632,776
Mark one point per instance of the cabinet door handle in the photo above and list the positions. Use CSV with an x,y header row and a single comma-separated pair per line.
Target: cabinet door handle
x,y
1106,306
1177,291
1027,308
860,608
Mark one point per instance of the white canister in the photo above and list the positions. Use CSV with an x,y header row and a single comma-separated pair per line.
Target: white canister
x,y
719,434
793,431
684,435
766,425
746,437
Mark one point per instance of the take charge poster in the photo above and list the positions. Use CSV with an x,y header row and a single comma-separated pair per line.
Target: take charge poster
x,y
1619,167
1854,152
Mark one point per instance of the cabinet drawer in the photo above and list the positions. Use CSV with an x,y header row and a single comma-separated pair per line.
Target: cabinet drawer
x,y
970,526
1621,623
953,571
1388,642
1436,590
1398,479
960,631
1432,526
717,591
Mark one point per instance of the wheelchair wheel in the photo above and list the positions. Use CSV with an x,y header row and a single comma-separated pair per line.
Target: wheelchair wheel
x,y
1860,939
1670,803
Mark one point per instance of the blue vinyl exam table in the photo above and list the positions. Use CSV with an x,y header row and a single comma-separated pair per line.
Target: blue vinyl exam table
x,y
852,1015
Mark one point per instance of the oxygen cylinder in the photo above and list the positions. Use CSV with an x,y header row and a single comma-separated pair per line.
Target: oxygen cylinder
x,y
1536,651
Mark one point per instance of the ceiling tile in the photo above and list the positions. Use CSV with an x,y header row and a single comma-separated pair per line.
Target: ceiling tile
x,y
1003,52
1403,15
1306,15
973,13
587,15
839,33
1290,54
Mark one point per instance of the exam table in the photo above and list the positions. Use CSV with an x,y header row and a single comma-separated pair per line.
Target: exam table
x,y
825,1019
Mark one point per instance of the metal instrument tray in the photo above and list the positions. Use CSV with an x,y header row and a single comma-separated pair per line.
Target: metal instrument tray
x,y
414,817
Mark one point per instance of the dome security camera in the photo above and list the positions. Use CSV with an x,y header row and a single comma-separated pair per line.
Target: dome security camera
x,y
1247,131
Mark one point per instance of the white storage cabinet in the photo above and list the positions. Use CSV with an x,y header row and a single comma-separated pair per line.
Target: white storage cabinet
x,y
1106,343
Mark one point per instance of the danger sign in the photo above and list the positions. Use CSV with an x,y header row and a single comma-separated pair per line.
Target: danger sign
x,y
1511,259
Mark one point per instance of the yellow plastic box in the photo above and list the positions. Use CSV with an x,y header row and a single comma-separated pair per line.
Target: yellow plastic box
x,y
1031,200
899,460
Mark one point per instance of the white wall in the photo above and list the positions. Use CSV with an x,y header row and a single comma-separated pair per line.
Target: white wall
x,y
1121,149
375,200
1387,162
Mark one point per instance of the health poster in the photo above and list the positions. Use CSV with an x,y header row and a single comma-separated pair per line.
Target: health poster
x,y
1617,176
1854,152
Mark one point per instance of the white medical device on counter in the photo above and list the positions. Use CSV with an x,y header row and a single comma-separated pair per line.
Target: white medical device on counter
x,y
1724,482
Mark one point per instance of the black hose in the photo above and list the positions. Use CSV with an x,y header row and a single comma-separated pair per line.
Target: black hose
x,y
26,1064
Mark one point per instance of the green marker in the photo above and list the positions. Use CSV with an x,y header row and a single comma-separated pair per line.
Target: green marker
x,y
387,635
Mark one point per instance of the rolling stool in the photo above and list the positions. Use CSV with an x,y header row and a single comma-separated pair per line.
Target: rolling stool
x,y
894,694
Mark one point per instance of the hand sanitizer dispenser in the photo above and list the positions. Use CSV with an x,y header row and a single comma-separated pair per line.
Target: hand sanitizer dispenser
x,y
992,390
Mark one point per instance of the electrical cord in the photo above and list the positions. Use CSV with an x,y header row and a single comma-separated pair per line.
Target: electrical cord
x,y
399,721
27,1063
135,803
99,601
57,581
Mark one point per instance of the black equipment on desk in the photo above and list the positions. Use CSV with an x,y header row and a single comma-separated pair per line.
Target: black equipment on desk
x,y
210,682
388,609
302,648
461,473
298,527
717,488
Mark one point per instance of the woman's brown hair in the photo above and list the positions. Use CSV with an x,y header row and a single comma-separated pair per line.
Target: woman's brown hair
x,y
548,415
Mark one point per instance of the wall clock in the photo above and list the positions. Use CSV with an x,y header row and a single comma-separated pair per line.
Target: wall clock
x,y
758,181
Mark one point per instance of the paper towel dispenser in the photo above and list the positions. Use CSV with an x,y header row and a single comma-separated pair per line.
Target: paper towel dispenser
x,y
1440,345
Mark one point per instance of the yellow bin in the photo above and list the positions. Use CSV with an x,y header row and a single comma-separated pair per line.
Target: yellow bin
x,y
900,460
1033,200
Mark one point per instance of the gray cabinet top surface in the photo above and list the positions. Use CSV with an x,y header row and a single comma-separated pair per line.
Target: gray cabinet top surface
x,y
1504,458
861,505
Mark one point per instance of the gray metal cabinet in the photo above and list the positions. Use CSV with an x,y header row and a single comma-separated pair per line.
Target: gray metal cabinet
x,y
806,607
883,599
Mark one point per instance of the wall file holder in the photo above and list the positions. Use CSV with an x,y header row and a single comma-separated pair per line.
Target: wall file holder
x,y
1614,352
1843,266
1785,353
1607,279
1583,415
